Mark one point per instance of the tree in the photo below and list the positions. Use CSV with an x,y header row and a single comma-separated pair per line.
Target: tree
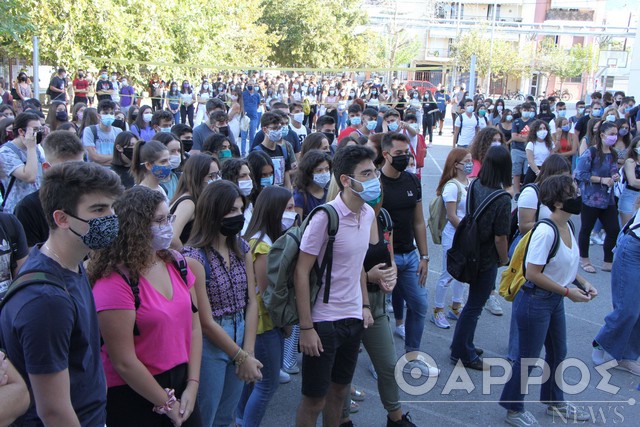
x,y
15,21
564,63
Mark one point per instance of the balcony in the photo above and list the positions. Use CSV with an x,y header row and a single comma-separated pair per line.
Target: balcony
x,y
584,15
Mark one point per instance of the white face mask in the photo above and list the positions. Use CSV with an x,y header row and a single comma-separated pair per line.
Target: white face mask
x,y
496,143
322,179
298,117
246,187
174,161
411,169
161,236
541,134
147,117
288,218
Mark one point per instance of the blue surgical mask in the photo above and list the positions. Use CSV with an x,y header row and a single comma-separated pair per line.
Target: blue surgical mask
x,y
509,117
596,112
285,130
107,119
626,110
566,128
469,109
610,118
275,135
267,181
562,113
623,131
580,110
355,121
371,125
371,189
393,126
165,130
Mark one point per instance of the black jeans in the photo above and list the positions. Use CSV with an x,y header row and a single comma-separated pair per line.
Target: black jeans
x,y
187,113
609,219
427,126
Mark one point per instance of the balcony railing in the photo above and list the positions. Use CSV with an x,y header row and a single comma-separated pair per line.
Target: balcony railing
x,y
584,15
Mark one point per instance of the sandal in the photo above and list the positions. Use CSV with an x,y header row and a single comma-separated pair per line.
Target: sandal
x,y
606,266
588,267
354,407
357,395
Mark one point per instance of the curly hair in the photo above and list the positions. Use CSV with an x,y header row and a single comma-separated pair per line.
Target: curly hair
x,y
136,210
482,142
308,162
231,169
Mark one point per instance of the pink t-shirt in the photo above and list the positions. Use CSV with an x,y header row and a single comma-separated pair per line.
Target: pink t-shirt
x,y
349,249
476,169
165,325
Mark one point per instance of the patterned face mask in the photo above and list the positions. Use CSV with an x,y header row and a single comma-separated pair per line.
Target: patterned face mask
x,y
102,231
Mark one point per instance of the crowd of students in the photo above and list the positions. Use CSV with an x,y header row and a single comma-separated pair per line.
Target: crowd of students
x,y
141,300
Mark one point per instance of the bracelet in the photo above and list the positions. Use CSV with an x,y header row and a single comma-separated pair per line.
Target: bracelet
x,y
566,292
194,380
366,306
306,329
166,408
241,359
237,354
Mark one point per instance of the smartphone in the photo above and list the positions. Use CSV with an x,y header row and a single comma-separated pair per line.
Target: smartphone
x,y
39,136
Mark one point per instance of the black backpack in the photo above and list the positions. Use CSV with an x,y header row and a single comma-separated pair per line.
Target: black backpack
x,y
513,231
463,259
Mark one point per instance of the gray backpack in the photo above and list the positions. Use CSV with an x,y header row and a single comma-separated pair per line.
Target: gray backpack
x,y
279,297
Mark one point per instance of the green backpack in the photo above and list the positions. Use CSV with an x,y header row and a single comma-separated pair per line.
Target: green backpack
x,y
438,214
279,297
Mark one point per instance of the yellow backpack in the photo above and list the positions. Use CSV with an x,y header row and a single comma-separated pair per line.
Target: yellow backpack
x,y
306,107
514,276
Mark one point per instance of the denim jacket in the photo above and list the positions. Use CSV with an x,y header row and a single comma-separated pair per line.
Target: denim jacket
x,y
589,164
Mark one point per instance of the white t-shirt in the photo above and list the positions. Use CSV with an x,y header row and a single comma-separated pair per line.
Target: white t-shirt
x,y
529,200
562,268
450,194
540,152
468,129
636,221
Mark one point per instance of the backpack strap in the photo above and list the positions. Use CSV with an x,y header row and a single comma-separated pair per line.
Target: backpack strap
x,y
327,260
537,190
32,277
135,289
180,263
554,246
486,202
387,222
207,267
180,200
94,131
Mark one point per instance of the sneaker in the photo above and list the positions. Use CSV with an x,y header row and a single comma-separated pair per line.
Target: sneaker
x,y
597,239
453,314
405,421
292,370
421,364
493,305
629,366
354,407
284,377
440,133
400,331
373,372
568,411
599,355
521,419
440,320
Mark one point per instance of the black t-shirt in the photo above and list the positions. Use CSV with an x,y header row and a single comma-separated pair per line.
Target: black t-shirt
x,y
401,195
496,221
104,85
30,213
581,126
547,117
13,246
378,253
125,175
59,83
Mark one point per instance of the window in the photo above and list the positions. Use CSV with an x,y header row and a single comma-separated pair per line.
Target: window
x,y
454,10
490,12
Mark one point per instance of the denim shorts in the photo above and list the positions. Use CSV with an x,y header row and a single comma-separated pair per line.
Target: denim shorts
x,y
627,202
519,162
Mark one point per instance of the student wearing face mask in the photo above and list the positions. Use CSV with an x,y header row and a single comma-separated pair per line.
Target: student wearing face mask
x,y
99,139
539,305
519,138
122,155
142,127
199,171
176,161
311,181
545,113
173,101
148,318
127,95
226,297
161,121
273,215
597,172
539,147
104,87
150,165
485,139
506,124
624,140
581,124
496,114
430,113
80,86
57,115
466,125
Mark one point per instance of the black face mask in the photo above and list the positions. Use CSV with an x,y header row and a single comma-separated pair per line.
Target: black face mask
x,y
134,117
400,162
128,152
330,136
224,130
572,206
62,116
232,226
187,144
119,124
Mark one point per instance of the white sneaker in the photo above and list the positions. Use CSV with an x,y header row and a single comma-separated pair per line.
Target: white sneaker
x,y
400,331
493,305
600,356
629,366
421,364
284,377
598,239
521,419
439,319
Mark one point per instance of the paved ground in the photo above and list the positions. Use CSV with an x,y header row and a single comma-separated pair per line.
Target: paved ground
x,y
477,408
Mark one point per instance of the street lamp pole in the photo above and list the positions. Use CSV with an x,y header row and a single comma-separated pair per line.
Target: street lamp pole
x,y
493,28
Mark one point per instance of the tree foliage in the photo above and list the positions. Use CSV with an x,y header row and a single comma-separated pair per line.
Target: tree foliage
x,y
564,63
14,22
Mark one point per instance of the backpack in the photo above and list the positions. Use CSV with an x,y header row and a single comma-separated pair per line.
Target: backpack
x,y
32,277
463,259
460,131
515,275
306,107
621,184
514,229
438,214
279,297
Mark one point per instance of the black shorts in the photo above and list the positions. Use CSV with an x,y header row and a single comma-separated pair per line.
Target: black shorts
x,y
337,363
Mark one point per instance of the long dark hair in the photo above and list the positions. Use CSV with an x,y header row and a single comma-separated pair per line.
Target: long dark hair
x,y
257,160
533,129
196,168
496,168
215,202
139,122
553,165
308,162
598,143
266,218
627,138
122,140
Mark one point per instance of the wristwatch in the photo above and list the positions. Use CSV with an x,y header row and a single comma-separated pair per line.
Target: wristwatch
x,y
424,258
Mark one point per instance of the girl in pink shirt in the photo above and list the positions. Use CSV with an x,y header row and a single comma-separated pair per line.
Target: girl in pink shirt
x,y
145,301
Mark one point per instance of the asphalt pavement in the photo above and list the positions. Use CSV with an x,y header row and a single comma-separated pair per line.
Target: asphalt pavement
x,y
467,398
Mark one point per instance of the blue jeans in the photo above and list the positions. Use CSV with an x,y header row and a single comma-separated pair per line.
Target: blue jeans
x,y
255,397
620,335
540,317
220,388
462,346
342,120
415,295
247,137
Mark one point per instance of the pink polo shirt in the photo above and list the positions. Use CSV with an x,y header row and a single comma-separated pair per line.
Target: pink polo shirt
x,y
165,325
349,250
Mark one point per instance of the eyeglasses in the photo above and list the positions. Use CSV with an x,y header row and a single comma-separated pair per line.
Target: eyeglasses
x,y
169,219
213,175
368,174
